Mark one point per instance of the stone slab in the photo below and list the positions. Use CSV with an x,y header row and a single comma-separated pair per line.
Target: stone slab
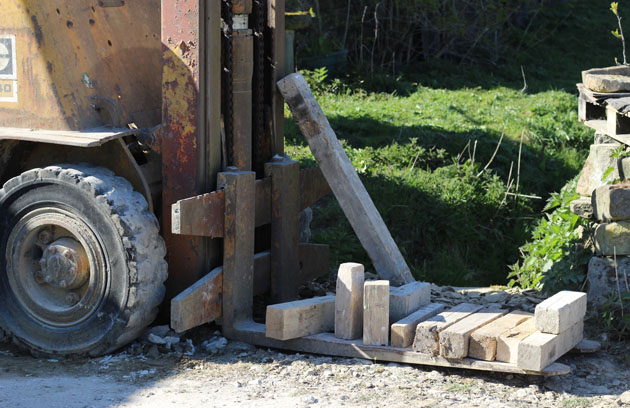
x,y
508,342
349,301
612,239
612,203
404,331
541,349
560,312
592,77
597,163
454,340
406,299
483,341
427,333
292,320
376,313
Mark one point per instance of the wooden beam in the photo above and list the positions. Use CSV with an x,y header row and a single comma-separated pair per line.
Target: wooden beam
x,y
404,331
300,318
313,187
428,332
277,68
508,342
406,299
454,340
376,313
199,304
541,349
349,301
344,182
314,262
483,342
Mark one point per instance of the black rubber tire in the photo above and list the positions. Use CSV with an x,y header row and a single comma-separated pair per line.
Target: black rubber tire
x,y
129,235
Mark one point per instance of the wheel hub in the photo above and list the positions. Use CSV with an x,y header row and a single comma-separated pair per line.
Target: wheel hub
x,y
64,264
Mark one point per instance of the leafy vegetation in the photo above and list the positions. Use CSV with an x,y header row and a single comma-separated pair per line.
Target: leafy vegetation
x,y
461,159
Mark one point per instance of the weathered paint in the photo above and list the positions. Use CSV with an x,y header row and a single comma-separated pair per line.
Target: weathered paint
x,y
60,45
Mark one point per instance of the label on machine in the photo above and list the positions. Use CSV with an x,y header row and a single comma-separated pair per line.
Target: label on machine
x,y
8,69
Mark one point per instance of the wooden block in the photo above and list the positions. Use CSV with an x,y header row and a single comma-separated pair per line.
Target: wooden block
x,y
349,301
455,339
483,341
344,181
560,312
376,313
541,349
406,299
404,330
507,344
199,304
301,318
427,333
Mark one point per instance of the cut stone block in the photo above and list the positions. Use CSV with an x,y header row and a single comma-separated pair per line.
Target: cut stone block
x,y
427,339
609,79
597,163
602,278
454,340
406,299
508,342
611,239
301,318
582,207
612,203
349,301
483,341
404,331
560,312
376,313
541,349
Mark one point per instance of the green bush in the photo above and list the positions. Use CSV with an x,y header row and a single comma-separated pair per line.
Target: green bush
x,y
556,258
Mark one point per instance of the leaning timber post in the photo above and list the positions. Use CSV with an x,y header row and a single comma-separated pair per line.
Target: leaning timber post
x,y
238,248
345,182
285,221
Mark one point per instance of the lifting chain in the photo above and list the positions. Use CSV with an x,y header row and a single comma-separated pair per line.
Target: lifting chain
x,y
227,13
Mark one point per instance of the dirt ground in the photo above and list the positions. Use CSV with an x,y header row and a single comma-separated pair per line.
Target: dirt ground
x,y
217,373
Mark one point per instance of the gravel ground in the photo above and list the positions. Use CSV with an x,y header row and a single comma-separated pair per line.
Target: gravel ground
x,y
201,368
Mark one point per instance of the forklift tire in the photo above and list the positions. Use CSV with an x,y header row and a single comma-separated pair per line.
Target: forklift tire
x,y
82,266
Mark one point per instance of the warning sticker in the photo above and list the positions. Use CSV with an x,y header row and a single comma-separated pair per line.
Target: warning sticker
x,y
8,69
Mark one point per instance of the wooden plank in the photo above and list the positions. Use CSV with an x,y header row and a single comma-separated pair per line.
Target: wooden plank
x,y
199,304
508,342
262,273
483,341
428,332
344,182
376,313
404,331
328,344
285,227
454,340
349,301
560,312
313,186
84,138
300,318
541,349
238,248
616,123
203,215
406,299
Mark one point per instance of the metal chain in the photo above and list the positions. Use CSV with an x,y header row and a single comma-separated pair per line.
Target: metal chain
x,y
227,12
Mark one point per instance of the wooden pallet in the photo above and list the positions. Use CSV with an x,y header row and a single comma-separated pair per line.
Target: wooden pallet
x,y
602,118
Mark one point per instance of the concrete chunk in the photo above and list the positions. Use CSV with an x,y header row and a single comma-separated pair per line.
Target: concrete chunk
x,y
483,341
427,333
508,342
301,318
376,313
349,302
404,330
541,349
406,299
560,312
455,339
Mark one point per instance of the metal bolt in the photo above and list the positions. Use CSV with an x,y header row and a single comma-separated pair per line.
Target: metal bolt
x,y
63,284
72,298
67,253
277,158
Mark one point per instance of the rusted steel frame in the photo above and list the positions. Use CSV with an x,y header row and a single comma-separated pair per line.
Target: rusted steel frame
x,y
261,138
240,142
203,215
277,70
285,227
238,248
242,6
188,156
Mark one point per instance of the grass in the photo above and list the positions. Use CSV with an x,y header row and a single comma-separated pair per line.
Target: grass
x,y
421,140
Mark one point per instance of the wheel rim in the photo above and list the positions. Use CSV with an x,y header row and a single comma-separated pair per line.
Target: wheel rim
x,y
56,267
